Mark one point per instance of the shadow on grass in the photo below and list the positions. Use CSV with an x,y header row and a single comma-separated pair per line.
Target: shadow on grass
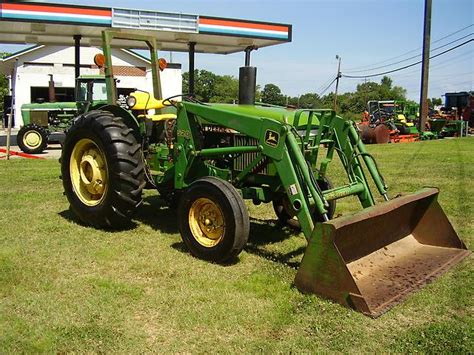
x,y
71,217
181,247
263,233
155,213
284,259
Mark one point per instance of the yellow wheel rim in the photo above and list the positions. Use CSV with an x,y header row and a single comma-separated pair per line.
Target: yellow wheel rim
x,y
88,171
206,222
32,139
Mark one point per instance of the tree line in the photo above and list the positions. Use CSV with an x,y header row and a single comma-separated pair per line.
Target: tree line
x,y
3,85
210,87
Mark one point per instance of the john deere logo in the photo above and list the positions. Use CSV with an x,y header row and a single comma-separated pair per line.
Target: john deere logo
x,y
272,138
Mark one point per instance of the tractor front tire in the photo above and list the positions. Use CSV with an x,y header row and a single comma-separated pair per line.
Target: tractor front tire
x,y
32,139
102,170
213,220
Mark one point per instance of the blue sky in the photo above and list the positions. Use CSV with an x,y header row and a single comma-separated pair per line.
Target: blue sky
x,y
365,33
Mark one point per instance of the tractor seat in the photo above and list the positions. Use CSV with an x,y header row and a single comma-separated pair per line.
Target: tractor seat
x,y
159,117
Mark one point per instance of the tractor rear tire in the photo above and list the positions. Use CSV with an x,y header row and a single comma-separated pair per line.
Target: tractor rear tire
x,y
213,220
102,170
286,215
32,139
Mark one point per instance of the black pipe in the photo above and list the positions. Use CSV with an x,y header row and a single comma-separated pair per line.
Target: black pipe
x,y
51,89
247,85
248,50
247,57
77,55
192,46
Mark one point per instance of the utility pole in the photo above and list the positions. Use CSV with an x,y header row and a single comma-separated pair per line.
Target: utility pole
x,y
425,68
337,81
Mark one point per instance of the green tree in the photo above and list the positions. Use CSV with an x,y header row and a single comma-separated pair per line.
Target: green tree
x,y
3,90
3,84
434,101
204,84
293,101
258,94
271,94
356,102
309,100
226,89
210,87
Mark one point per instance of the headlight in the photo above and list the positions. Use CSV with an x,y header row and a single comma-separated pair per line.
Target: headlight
x,y
131,101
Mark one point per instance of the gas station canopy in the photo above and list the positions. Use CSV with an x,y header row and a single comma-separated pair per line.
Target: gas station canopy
x,y
57,24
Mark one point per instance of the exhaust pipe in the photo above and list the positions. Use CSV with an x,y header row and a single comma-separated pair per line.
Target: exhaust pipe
x,y
247,85
51,89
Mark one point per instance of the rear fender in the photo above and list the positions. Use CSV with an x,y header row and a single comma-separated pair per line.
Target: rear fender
x,y
127,117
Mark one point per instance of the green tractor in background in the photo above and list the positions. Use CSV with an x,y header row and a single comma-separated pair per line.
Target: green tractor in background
x,y
209,158
411,110
392,113
401,118
47,122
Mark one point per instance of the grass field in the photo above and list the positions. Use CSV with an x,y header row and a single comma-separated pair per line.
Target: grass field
x,y
66,287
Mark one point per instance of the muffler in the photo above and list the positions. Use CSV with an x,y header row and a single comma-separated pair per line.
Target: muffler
x,y
372,260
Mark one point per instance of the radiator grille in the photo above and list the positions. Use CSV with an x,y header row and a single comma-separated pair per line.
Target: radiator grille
x,y
245,159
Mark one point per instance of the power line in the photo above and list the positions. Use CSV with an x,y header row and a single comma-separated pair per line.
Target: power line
x,y
450,61
413,57
437,77
328,82
327,87
406,66
411,51
439,65
416,88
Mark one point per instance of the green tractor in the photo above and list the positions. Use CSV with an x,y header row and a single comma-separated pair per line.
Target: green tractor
x,y
411,110
208,158
47,122
392,113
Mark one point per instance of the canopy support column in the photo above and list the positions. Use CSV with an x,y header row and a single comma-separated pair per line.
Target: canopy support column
x,y
192,46
248,50
77,55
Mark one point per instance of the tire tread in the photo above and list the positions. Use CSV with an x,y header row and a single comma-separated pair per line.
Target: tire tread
x,y
125,166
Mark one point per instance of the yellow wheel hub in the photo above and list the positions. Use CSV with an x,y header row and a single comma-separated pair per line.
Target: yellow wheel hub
x,y
88,171
32,139
206,222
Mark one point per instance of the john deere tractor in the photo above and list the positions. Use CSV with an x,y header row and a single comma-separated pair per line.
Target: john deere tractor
x,y
209,158
46,122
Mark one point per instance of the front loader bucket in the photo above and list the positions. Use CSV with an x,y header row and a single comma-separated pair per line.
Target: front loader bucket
x,y
372,260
